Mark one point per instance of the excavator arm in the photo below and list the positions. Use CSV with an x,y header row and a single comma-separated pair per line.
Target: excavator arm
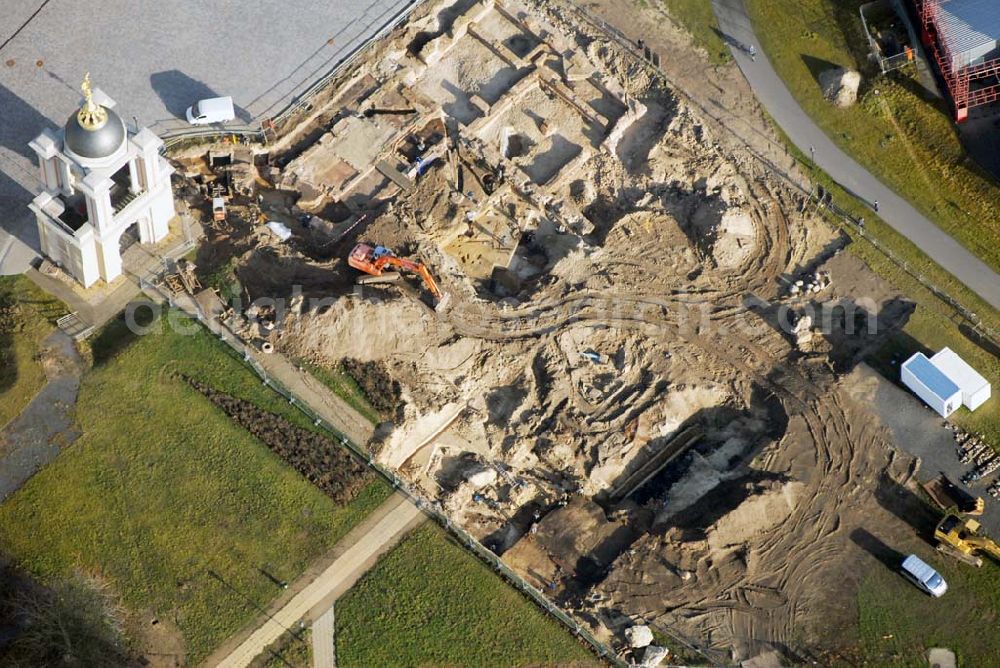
x,y
987,545
417,268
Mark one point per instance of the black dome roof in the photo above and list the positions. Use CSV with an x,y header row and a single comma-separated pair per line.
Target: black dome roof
x,y
98,143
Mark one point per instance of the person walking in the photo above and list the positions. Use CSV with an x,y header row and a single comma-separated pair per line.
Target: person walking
x,y
876,205
753,53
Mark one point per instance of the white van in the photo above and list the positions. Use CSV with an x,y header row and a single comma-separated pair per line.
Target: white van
x,y
917,571
212,110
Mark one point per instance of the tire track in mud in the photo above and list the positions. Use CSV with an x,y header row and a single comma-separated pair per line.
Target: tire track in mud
x,y
789,555
778,588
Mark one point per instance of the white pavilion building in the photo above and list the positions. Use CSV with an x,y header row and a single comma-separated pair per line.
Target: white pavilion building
x,y
104,188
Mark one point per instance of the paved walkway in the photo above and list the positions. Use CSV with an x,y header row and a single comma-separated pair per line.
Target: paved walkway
x,y
323,643
894,210
47,424
318,397
378,534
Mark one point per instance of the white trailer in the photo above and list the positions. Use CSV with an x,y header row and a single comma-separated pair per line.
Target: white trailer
x,y
975,389
931,384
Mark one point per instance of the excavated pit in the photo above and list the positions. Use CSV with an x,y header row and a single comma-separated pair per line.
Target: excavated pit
x,y
594,400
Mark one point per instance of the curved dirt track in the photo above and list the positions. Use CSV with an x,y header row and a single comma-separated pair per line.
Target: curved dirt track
x,y
830,445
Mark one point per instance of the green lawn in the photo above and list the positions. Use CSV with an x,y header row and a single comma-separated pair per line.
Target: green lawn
x,y
697,17
899,623
27,316
902,137
344,386
163,490
431,603
288,652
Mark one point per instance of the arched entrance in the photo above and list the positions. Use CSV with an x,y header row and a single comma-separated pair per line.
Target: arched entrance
x,y
129,237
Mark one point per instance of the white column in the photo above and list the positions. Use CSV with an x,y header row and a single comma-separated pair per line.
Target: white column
x,y
109,258
43,171
99,211
133,177
64,176
88,262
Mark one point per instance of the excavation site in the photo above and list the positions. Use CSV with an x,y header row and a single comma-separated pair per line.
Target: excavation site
x,y
613,344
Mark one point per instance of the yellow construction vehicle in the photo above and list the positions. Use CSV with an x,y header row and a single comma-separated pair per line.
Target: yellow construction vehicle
x,y
952,498
961,537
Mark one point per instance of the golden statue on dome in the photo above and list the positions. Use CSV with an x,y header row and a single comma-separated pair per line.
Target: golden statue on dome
x,y
91,116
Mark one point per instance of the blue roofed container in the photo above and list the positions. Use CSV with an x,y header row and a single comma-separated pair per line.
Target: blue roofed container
x,y
931,384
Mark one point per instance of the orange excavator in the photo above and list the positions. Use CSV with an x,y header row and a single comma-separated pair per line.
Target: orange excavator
x,y
373,260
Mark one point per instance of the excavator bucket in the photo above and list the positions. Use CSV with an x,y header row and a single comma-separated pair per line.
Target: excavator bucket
x,y
443,302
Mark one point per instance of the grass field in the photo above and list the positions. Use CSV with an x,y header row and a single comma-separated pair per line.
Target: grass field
x,y
288,652
906,139
162,492
697,17
899,623
28,317
431,603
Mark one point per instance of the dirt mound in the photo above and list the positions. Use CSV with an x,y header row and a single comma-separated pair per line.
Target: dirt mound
x,y
759,513
840,86
361,329
373,378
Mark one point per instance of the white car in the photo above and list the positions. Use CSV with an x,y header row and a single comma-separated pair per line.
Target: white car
x,y
919,572
212,110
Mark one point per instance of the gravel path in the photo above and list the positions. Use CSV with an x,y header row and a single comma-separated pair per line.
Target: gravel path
x,y
47,425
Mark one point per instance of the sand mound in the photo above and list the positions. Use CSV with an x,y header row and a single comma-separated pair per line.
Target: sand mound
x,y
840,86
756,514
725,233
360,329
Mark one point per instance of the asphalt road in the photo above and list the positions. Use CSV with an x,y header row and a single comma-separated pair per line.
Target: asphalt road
x,y
155,58
894,210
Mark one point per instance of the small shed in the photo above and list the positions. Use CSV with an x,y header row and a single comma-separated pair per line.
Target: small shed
x,y
975,389
931,384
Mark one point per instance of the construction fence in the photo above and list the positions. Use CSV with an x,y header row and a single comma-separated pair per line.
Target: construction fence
x,y
182,133
239,350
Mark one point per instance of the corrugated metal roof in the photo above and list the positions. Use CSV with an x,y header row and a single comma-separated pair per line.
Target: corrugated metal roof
x,y
969,27
931,377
